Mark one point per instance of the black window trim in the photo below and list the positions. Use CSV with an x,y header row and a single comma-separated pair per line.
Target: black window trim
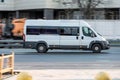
x,y
53,27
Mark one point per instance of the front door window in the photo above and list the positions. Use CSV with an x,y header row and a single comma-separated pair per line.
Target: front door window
x,y
88,32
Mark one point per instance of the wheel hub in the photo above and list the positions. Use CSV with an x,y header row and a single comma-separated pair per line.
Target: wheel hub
x,y
41,48
96,48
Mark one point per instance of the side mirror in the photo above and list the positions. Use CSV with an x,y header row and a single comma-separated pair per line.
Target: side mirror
x,y
93,35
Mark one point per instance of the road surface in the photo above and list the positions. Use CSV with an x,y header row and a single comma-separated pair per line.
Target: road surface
x,y
65,59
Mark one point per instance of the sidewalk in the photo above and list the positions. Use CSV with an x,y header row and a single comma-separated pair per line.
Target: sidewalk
x,y
68,74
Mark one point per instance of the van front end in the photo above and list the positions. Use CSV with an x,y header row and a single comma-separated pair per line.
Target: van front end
x,y
97,45
106,45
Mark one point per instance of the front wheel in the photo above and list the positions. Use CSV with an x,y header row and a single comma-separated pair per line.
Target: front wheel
x,y
96,48
41,48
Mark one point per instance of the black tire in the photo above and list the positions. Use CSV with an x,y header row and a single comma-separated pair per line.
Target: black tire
x,y
96,48
42,48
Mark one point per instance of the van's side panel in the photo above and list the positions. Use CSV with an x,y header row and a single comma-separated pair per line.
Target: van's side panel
x,y
50,40
70,41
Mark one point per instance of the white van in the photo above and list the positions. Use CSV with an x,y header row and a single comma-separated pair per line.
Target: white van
x,y
62,34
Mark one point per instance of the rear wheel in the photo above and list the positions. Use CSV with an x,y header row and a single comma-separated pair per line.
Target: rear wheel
x,y
96,48
41,48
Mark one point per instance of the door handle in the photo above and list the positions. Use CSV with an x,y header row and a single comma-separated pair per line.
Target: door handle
x,y
76,37
82,37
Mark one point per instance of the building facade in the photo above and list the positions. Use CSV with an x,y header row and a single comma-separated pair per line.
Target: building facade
x,y
56,9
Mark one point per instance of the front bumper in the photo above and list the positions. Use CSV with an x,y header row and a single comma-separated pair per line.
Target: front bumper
x,y
106,45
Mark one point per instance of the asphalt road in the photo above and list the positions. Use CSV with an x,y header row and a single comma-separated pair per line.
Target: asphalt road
x,y
65,59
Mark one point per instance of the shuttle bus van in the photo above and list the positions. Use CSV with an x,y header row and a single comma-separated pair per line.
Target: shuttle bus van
x,y
43,35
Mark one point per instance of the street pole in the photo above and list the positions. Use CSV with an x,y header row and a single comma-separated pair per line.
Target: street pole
x,y
79,9
17,14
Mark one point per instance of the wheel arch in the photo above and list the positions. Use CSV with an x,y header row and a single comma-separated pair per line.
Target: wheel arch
x,y
96,42
42,42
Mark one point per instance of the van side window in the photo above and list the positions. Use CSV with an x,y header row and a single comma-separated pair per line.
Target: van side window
x,y
88,32
48,31
69,31
37,30
33,31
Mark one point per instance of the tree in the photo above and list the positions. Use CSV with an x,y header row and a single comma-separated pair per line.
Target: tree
x,y
68,11
88,7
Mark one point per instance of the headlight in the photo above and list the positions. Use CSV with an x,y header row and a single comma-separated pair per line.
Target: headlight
x,y
105,42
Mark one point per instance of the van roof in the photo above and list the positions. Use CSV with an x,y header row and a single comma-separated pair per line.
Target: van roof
x,y
40,22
